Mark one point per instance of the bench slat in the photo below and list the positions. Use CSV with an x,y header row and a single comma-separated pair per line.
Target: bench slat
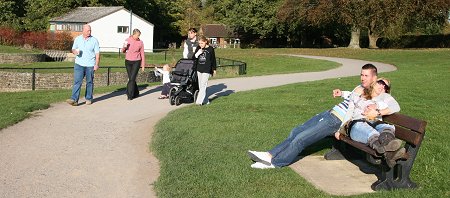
x,y
407,135
358,145
406,121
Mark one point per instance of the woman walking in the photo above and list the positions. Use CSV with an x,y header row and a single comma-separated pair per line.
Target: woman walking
x,y
205,66
134,58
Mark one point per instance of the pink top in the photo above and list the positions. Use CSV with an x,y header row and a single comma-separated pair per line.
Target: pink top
x,y
135,50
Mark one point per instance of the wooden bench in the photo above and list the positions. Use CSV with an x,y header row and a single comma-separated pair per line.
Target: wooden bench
x,y
408,129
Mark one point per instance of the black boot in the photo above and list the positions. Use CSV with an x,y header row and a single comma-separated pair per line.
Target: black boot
x,y
392,156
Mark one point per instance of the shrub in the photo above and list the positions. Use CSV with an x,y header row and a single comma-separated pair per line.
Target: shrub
x,y
35,39
9,36
59,41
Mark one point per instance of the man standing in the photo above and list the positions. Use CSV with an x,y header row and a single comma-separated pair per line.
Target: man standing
x,y
87,52
191,44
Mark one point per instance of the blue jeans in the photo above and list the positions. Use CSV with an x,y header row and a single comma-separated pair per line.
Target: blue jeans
x,y
313,130
79,73
362,131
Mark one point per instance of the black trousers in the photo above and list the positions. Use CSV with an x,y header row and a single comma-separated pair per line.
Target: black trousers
x,y
132,71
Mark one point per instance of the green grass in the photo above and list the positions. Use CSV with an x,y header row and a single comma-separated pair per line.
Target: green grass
x,y
13,49
202,150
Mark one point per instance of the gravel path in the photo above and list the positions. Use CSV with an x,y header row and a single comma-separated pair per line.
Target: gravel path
x,y
102,150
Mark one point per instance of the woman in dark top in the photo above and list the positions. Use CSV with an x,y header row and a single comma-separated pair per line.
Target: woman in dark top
x,y
206,67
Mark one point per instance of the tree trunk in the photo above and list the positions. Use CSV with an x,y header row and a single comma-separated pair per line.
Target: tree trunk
x,y
354,41
373,38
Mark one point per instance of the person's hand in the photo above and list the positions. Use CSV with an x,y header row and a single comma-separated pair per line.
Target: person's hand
x,y
370,113
337,93
214,73
96,67
337,135
142,68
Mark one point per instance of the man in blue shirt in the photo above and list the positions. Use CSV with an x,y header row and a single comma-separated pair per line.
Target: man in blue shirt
x,y
87,51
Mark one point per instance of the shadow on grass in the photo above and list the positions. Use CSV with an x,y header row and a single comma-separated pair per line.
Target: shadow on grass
x,y
217,91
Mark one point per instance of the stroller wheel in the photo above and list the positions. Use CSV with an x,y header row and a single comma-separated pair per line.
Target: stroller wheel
x,y
177,100
172,95
171,100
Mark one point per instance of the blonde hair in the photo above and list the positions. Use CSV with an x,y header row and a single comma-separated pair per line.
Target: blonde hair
x,y
135,31
204,39
368,92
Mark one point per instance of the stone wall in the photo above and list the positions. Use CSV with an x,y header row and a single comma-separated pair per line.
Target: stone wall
x,y
22,81
21,58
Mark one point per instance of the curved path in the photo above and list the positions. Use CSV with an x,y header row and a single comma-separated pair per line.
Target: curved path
x,y
102,150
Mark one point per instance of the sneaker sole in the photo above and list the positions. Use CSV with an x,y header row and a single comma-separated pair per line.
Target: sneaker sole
x,y
257,159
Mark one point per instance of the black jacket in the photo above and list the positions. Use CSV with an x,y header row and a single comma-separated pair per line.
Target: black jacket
x,y
206,61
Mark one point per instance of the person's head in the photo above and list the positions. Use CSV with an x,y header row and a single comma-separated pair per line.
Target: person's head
x,y
166,67
136,34
192,33
203,42
382,85
369,75
86,30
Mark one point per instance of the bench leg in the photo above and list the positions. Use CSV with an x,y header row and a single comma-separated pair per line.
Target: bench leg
x,y
390,180
334,153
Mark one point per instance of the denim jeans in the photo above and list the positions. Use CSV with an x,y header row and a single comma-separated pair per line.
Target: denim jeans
x,y
313,130
132,71
362,131
79,73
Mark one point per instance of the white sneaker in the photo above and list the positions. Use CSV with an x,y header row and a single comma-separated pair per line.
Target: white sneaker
x,y
260,165
263,157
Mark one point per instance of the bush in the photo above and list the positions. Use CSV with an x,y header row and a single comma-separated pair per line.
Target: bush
x,y
9,36
417,41
35,39
59,41
40,40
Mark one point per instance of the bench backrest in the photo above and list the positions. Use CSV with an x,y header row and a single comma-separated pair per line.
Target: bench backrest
x,y
407,128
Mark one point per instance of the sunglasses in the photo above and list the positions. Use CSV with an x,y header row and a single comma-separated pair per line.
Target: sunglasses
x,y
387,88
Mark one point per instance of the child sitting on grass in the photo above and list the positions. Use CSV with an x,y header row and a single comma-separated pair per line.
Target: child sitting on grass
x,y
165,72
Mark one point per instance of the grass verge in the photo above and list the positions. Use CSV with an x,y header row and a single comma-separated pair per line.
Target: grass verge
x,y
202,150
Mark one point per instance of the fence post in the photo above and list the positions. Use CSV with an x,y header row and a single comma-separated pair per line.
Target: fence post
x,y
33,79
119,53
109,72
165,55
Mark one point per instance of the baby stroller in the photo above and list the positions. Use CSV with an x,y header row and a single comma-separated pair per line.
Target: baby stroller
x,y
184,82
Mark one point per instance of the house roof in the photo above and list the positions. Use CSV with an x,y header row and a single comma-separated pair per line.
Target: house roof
x,y
215,30
86,14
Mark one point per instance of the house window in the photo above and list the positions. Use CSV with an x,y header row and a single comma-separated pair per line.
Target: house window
x,y
123,29
76,27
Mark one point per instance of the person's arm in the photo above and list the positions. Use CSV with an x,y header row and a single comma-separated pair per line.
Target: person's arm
x,y
97,55
213,61
197,53
142,51
392,107
185,50
75,47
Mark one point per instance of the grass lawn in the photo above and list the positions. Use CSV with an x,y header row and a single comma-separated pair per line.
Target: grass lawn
x,y
202,150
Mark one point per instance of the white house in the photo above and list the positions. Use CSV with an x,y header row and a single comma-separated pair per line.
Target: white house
x,y
110,25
